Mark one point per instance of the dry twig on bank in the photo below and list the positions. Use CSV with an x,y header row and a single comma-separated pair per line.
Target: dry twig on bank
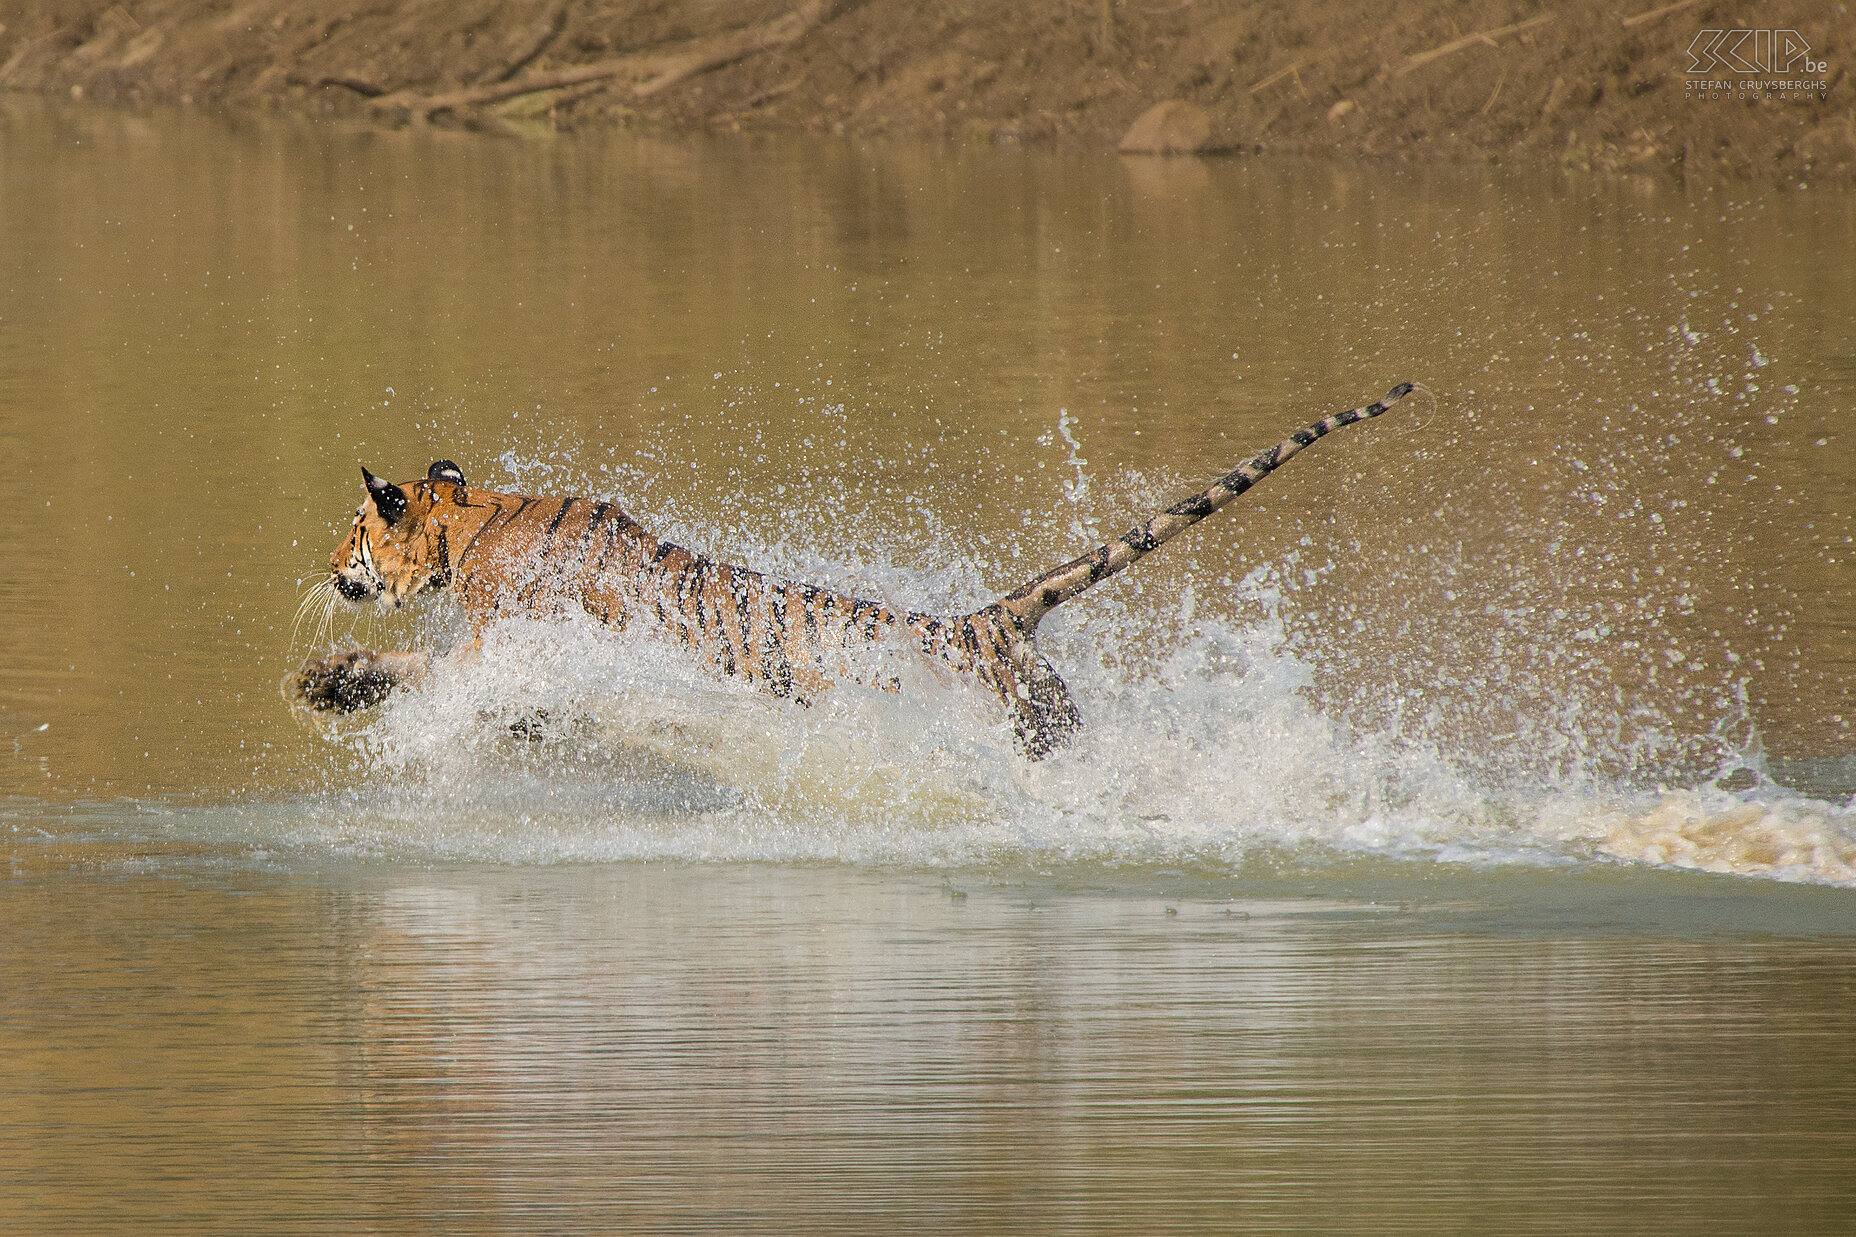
x,y
1637,19
1487,37
650,72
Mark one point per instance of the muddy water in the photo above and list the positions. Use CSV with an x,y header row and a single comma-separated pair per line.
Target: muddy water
x,y
1461,835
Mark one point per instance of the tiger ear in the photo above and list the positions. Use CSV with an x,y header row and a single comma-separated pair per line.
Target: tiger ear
x,y
445,470
389,499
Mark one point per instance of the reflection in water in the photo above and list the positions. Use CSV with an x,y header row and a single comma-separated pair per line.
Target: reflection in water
x,y
1420,715
779,1049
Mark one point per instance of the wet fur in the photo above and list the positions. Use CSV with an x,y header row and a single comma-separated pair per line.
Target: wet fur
x,y
505,554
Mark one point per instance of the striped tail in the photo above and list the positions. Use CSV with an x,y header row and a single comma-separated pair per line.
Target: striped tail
x,y
1038,597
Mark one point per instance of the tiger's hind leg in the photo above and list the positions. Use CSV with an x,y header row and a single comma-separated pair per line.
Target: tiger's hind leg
x,y
998,649
353,680
1044,714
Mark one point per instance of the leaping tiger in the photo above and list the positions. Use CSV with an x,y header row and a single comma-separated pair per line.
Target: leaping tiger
x,y
505,554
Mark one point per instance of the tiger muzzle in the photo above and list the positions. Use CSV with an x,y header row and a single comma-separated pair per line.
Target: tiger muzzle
x,y
354,590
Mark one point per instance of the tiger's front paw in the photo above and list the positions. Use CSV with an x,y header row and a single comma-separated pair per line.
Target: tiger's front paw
x,y
342,682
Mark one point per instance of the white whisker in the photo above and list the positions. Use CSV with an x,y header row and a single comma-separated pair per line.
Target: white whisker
x,y
307,604
326,617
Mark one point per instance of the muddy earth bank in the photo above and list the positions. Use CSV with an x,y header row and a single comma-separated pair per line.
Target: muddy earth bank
x,y
1580,85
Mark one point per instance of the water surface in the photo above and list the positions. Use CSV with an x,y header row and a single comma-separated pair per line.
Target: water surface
x,y
1461,836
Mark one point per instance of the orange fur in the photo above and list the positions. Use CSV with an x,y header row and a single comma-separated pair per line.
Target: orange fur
x,y
504,554
507,554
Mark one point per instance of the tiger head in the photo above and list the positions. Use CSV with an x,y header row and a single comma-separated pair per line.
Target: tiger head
x,y
396,547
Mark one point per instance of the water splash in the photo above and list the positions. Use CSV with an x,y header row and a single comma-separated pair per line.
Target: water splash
x,y
560,742
1553,687
1784,837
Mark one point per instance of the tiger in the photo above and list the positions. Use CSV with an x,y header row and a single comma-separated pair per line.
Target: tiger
x,y
504,554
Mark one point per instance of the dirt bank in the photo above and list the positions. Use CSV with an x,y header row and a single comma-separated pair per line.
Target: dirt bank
x,y
1579,84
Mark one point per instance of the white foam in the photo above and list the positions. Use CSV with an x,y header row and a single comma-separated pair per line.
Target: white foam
x,y
1203,750
1709,830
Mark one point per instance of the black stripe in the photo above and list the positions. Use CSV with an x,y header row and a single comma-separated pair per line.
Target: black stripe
x,y
693,572
824,607
928,629
779,610
719,614
485,527
528,595
777,671
708,619
774,666
1139,539
738,585
730,665
442,577
970,639
1198,506
599,513
808,614
612,540
988,661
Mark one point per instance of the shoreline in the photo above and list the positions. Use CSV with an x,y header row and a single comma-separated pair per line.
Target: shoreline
x,y
1579,88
